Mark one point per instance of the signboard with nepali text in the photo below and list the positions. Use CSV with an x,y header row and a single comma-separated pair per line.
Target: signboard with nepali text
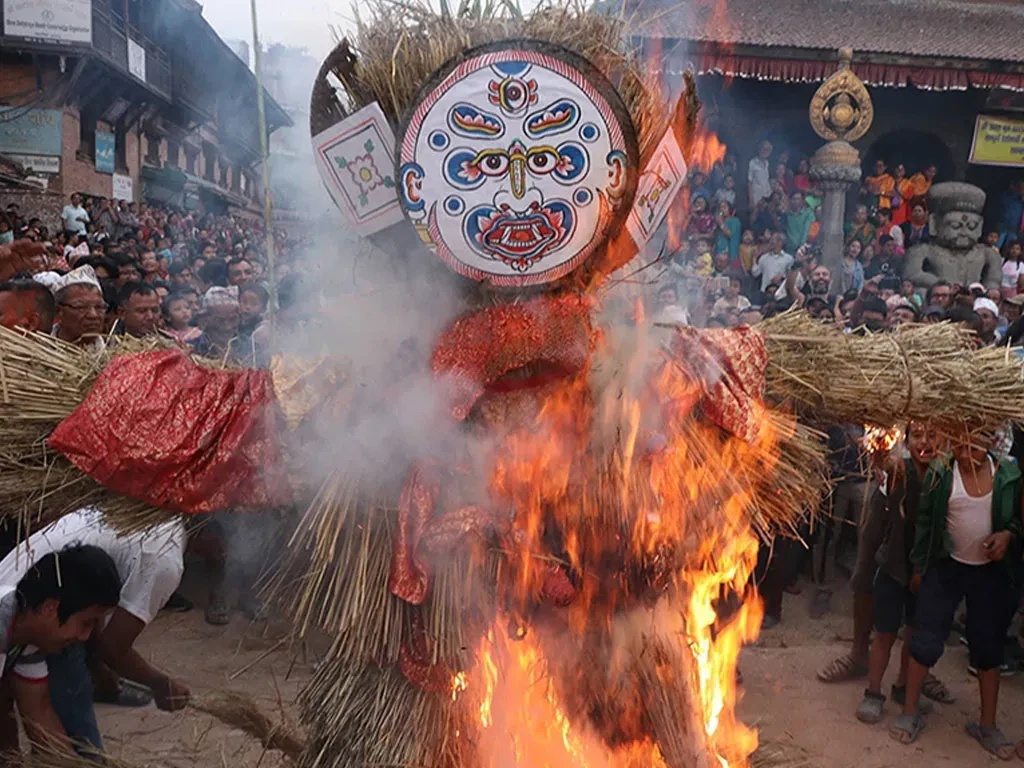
x,y
121,188
37,163
998,141
31,131
59,21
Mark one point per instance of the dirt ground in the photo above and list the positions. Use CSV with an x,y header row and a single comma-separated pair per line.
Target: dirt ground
x,y
782,697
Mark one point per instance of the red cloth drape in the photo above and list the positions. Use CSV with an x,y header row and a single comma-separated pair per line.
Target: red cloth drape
x,y
159,428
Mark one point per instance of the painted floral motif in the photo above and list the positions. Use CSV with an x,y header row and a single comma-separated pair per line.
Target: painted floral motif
x,y
364,172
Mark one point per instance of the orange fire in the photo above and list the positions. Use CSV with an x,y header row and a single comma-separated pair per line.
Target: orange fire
x,y
881,440
706,150
620,485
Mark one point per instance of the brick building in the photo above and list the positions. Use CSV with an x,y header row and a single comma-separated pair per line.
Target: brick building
x,y
127,98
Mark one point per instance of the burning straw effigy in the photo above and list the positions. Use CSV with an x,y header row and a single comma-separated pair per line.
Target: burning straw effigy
x,y
565,578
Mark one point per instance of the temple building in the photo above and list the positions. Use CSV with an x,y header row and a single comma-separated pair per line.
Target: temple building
x,y
935,69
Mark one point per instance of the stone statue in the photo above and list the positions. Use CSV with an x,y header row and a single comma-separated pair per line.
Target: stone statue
x,y
954,253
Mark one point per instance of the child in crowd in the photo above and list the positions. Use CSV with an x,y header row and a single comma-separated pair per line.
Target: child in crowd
x,y
748,250
907,292
966,545
178,318
889,532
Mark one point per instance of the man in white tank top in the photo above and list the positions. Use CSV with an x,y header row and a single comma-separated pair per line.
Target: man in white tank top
x,y
966,546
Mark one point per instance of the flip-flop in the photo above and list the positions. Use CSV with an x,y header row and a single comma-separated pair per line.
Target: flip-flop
x,y
871,708
129,694
936,690
906,728
992,740
843,670
898,694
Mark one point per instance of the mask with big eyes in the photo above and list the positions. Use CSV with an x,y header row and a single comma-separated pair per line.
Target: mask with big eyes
x,y
514,165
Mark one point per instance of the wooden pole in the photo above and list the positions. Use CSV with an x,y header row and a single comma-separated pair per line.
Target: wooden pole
x,y
268,211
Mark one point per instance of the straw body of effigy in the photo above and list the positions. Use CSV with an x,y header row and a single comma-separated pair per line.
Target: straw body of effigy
x,y
929,373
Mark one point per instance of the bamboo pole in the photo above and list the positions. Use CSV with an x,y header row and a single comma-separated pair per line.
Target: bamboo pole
x,y
268,211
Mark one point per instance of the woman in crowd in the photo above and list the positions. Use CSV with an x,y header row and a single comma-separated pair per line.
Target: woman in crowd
x,y
851,276
728,232
1013,268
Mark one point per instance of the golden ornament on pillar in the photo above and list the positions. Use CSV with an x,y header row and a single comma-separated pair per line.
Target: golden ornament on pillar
x,y
841,109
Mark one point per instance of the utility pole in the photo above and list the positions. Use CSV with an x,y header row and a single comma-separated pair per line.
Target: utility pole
x,y
268,211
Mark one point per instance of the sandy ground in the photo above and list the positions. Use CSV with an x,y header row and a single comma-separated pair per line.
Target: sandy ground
x,y
782,697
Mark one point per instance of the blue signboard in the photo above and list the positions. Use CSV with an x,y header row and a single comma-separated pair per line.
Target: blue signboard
x,y
31,131
104,152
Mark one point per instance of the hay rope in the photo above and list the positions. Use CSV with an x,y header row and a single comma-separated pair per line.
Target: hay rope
x,y
929,373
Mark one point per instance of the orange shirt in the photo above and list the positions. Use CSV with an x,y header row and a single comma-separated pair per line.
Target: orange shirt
x,y
920,184
884,186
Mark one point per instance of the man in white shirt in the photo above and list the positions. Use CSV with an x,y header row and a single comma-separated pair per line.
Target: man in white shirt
x,y
773,262
57,603
759,181
150,565
74,216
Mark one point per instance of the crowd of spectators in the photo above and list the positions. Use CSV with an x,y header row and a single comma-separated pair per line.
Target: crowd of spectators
x,y
749,248
116,268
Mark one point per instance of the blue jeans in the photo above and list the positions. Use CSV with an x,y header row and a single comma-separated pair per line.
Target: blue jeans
x,y
71,696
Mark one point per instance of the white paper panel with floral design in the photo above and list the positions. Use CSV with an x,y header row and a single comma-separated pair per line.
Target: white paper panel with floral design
x,y
356,161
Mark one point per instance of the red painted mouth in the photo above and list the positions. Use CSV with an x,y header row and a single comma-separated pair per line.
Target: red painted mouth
x,y
520,239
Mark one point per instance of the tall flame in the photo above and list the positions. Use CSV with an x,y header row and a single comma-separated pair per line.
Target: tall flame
x,y
646,505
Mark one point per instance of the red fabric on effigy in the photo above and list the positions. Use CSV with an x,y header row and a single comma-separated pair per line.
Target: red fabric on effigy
x,y
159,428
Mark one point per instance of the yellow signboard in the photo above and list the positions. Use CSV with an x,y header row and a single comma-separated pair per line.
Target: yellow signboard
x,y
998,141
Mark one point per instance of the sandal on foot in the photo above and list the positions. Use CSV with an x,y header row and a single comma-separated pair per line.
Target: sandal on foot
x,y
899,696
218,614
871,708
906,728
936,690
128,694
992,739
843,670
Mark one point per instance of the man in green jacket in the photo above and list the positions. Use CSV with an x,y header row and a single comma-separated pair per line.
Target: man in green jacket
x,y
965,546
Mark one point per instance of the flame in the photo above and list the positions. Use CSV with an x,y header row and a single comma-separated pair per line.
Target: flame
x,y
646,506
881,440
707,149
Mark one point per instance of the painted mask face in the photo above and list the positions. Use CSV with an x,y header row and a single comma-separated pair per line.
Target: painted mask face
x,y
515,165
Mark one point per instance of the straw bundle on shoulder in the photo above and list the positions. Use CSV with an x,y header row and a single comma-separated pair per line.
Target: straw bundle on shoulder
x,y
42,380
930,373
